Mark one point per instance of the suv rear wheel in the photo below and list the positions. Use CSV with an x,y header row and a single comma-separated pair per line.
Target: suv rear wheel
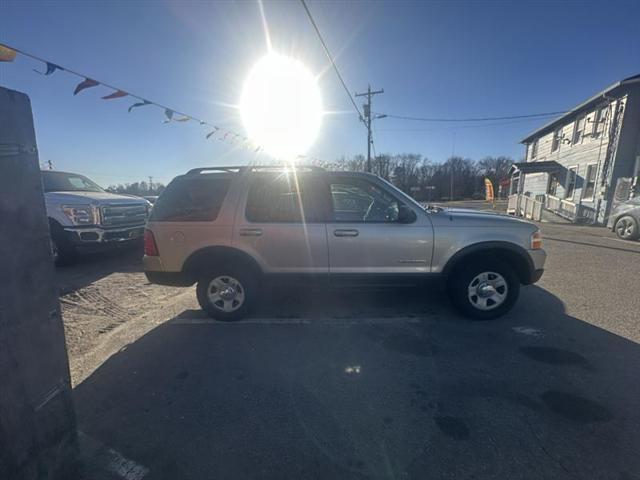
x,y
484,290
226,294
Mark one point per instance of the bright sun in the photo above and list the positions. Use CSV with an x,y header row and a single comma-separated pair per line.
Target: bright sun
x,y
281,106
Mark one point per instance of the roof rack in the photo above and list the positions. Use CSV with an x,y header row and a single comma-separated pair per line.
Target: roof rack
x,y
194,171
251,168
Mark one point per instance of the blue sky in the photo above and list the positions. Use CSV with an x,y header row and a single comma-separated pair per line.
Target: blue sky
x,y
437,59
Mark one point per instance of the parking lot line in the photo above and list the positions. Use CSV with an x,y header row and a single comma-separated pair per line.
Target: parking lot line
x,y
300,321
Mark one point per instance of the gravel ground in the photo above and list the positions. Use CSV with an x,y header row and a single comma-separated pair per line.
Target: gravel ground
x,y
103,292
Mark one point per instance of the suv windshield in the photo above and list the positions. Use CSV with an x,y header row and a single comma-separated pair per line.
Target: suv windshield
x,y
68,182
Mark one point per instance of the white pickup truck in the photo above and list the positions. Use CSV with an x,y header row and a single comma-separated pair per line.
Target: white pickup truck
x,y
82,216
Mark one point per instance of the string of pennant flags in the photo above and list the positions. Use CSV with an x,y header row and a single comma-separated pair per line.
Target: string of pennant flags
x,y
8,54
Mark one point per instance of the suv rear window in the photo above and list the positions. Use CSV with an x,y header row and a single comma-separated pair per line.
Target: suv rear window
x,y
191,200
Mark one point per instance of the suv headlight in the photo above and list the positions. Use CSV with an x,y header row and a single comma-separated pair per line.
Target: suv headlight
x,y
80,214
536,240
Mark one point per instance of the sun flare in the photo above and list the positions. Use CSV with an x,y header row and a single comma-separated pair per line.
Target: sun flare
x,y
281,107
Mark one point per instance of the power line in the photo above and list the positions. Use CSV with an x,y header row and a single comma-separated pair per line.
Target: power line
x,y
456,127
479,119
335,67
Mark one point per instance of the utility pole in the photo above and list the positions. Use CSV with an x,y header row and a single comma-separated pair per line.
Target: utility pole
x,y
367,120
150,183
453,154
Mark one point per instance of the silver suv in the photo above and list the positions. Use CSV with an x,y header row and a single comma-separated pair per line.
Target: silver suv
x,y
231,229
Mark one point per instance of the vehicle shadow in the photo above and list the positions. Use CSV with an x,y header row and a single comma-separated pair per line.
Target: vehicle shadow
x,y
90,267
293,302
371,385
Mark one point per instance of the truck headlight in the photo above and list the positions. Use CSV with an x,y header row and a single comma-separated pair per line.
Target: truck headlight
x,y
536,240
80,214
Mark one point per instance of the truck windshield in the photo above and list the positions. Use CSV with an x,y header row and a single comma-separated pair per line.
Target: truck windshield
x,y
68,182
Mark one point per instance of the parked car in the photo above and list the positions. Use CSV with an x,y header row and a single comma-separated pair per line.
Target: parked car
x,y
150,198
82,216
625,219
231,229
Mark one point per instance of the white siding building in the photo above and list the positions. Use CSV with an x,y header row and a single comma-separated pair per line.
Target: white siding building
x,y
574,162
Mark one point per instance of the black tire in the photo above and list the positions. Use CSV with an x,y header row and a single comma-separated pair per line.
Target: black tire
x,y
241,282
61,249
459,286
626,228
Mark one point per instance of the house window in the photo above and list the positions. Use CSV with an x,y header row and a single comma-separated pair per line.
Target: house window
x,y
534,149
590,182
571,183
557,138
578,129
552,188
600,120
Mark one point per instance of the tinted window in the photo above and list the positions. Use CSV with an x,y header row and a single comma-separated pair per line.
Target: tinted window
x,y
283,199
67,182
191,200
356,200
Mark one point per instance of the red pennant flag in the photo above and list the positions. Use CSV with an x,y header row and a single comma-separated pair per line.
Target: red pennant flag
x,y
117,94
86,83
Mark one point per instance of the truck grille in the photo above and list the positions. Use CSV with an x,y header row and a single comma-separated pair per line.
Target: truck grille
x,y
123,215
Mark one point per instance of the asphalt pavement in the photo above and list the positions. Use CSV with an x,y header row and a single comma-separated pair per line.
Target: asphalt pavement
x,y
389,384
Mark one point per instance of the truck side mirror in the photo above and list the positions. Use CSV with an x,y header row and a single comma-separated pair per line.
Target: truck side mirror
x,y
406,214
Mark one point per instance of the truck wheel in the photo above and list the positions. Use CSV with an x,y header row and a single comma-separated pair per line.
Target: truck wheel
x,y
627,228
484,290
62,252
226,293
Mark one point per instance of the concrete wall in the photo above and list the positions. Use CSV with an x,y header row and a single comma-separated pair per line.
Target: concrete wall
x,y
37,421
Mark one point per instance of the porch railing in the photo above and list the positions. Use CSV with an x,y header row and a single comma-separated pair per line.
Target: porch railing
x,y
569,210
524,206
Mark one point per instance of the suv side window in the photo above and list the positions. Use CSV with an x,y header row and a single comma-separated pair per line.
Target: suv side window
x,y
284,198
191,200
359,201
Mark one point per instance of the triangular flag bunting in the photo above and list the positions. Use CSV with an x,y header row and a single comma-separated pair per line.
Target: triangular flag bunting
x,y
182,119
215,129
51,67
139,104
7,54
86,83
169,114
117,94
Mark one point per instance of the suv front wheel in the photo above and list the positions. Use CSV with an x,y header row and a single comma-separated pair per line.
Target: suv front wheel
x,y
226,294
484,290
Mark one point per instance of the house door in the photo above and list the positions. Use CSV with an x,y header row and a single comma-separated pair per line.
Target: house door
x,y
552,186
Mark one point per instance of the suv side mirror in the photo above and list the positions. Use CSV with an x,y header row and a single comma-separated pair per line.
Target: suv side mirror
x,y
406,214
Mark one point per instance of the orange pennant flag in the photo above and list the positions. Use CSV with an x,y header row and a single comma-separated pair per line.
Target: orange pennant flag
x,y
7,54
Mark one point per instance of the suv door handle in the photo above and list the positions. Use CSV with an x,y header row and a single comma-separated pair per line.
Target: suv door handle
x,y
250,232
346,233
